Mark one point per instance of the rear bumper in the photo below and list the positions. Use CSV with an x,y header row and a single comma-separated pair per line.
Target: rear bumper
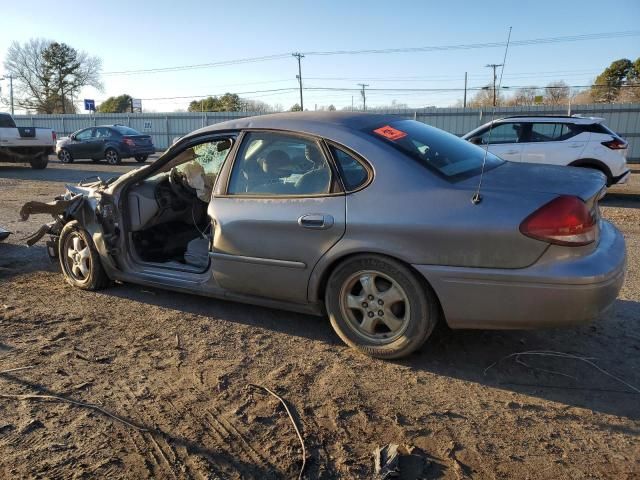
x,y
621,179
562,292
133,151
23,154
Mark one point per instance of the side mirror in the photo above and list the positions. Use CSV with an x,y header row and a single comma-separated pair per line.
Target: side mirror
x,y
72,137
476,140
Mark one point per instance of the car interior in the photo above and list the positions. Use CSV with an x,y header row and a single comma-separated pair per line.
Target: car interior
x,y
168,220
274,164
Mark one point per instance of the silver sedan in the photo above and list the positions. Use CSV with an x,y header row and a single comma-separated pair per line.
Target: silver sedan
x,y
387,226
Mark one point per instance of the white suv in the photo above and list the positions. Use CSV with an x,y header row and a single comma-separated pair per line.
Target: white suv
x,y
575,141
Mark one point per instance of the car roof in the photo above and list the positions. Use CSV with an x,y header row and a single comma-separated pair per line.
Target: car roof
x,y
578,119
316,123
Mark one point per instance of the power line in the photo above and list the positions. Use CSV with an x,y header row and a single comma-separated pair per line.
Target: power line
x,y
218,94
200,65
535,41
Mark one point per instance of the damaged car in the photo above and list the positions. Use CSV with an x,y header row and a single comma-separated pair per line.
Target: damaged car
x,y
387,226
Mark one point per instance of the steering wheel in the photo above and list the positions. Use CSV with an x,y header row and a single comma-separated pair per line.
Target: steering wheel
x,y
179,187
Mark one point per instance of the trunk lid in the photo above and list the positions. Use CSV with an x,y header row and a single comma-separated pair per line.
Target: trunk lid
x,y
140,140
531,177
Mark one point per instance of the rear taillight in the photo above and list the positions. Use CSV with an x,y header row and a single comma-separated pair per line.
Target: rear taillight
x,y
54,137
129,141
615,144
563,221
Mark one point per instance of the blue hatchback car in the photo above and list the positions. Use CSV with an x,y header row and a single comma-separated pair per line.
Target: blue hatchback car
x,y
109,142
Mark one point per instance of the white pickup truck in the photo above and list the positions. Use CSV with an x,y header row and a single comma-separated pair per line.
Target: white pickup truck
x,y
25,144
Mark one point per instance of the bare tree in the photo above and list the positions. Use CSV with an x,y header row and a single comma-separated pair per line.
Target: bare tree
x,y
523,96
49,74
557,93
484,98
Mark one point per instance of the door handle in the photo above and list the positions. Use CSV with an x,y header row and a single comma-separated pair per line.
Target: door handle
x,y
316,220
511,152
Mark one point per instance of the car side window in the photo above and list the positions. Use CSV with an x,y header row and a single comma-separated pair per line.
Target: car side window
x,y
353,173
503,133
103,132
551,132
84,134
277,164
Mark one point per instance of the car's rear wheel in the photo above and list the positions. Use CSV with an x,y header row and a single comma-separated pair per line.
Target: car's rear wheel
x,y
79,258
380,307
112,157
40,162
65,156
141,158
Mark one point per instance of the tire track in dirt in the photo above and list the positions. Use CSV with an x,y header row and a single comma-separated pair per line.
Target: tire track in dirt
x,y
172,457
160,457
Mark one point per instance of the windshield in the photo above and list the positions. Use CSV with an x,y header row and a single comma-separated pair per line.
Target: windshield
x,y
437,150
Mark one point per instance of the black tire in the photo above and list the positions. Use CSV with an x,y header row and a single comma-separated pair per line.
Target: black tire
x,y
40,163
418,311
141,158
112,156
89,276
65,156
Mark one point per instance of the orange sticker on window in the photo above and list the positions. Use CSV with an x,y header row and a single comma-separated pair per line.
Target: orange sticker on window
x,y
390,132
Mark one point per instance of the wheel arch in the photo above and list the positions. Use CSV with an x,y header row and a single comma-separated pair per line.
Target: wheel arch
x,y
321,274
595,164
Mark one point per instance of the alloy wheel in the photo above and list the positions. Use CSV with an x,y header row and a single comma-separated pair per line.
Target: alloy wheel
x,y
78,257
112,157
64,156
375,306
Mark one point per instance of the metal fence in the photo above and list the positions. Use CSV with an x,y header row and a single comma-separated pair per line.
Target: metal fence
x,y
164,127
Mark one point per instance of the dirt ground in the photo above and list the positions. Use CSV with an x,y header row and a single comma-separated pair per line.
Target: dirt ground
x,y
178,369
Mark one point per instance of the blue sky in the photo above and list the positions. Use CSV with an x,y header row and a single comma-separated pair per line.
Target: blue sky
x,y
129,35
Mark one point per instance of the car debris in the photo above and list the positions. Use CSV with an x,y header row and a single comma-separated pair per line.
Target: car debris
x,y
4,234
399,461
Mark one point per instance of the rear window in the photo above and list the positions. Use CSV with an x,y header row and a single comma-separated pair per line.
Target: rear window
x,y
125,130
6,121
441,152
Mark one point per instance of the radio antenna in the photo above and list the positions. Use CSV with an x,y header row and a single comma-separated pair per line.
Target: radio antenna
x,y
477,198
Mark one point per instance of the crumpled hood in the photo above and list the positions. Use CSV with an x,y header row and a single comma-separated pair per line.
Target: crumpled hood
x,y
532,177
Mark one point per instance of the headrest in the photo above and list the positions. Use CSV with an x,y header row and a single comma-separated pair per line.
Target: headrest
x,y
277,163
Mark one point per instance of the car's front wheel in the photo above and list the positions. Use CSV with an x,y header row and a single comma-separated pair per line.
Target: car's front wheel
x,y
380,307
79,258
65,156
112,157
141,158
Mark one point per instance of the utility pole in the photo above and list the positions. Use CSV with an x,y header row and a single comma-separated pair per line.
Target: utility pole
x,y
464,102
299,56
364,95
495,78
10,77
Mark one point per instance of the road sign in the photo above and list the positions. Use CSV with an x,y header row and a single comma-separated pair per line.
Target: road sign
x,y
89,104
